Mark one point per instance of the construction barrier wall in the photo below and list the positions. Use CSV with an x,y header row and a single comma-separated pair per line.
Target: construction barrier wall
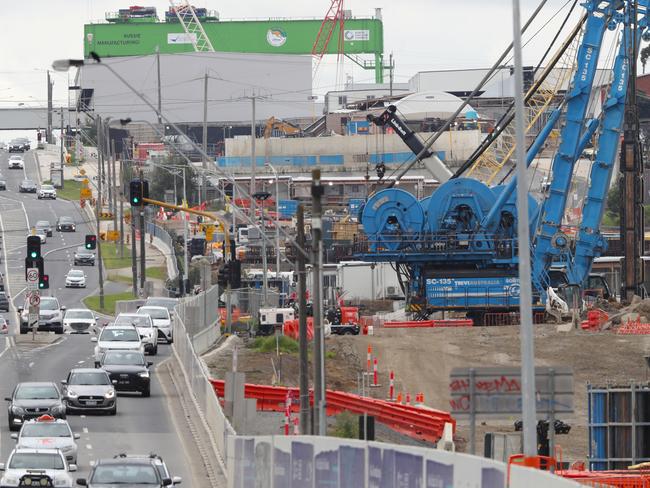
x,y
315,462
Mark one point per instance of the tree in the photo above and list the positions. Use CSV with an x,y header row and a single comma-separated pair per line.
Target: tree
x,y
614,199
645,54
163,179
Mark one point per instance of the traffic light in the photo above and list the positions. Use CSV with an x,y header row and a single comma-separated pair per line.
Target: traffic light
x,y
235,274
138,190
33,247
223,276
43,282
91,241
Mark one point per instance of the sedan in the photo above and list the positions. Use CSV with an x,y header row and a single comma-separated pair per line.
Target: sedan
x,y
47,191
87,389
31,400
65,224
45,226
128,370
27,186
16,163
79,320
3,183
75,278
46,431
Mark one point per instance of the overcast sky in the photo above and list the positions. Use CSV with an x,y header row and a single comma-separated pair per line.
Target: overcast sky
x,y
421,34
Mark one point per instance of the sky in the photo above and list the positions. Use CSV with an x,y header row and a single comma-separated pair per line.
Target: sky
x,y
421,34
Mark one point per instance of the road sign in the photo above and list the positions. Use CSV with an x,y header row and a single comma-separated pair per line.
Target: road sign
x,y
85,193
34,299
113,235
82,172
496,392
32,278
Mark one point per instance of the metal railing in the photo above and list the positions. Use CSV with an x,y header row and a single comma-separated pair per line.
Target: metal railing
x,y
164,236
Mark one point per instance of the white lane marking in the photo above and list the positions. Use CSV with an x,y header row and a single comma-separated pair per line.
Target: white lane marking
x,y
85,430
7,346
89,446
31,364
82,416
80,362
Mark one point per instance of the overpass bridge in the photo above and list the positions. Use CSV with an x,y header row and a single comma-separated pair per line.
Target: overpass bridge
x,y
33,118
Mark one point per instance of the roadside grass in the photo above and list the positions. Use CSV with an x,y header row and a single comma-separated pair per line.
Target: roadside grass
x,y
112,258
92,302
267,344
70,190
156,273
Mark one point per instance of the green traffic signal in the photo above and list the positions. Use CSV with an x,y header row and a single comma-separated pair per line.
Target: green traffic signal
x,y
34,254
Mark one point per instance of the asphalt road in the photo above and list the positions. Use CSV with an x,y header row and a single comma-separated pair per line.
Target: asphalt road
x,y
142,425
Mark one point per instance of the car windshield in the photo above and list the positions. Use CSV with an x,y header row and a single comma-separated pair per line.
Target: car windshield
x,y
168,303
137,474
42,223
75,273
79,314
45,392
65,220
123,358
47,187
99,378
49,304
83,250
119,335
45,429
36,460
16,156
154,313
28,183
136,320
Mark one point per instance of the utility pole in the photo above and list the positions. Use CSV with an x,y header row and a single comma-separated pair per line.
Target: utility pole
x,y
122,206
62,147
391,69
98,207
319,418
48,135
160,122
186,261
143,268
631,182
265,283
114,185
109,180
302,323
203,192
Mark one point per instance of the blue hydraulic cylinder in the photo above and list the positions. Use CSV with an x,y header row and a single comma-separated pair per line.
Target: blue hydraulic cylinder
x,y
590,243
552,209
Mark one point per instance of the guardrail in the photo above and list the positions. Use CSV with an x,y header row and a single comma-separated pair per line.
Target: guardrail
x,y
420,423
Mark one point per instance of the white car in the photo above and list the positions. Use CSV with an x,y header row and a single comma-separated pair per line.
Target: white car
x,y
37,467
117,337
40,233
50,316
50,433
144,325
162,319
75,278
16,162
47,191
79,320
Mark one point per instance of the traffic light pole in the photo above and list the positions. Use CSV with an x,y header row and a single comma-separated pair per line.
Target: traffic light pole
x,y
98,208
143,258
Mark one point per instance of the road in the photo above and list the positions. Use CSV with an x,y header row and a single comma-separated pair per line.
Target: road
x,y
142,425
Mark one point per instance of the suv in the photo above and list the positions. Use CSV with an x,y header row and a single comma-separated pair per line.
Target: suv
x,y
126,471
37,467
162,320
157,462
15,162
16,146
124,337
128,370
30,400
65,224
46,430
144,326
84,256
50,317
47,191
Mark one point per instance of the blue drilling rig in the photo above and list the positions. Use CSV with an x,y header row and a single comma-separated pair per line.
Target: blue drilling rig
x,y
458,248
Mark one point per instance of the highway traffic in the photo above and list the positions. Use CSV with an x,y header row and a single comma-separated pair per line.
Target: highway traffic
x,y
154,424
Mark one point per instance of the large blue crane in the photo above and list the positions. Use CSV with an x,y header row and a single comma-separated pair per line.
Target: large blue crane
x,y
458,249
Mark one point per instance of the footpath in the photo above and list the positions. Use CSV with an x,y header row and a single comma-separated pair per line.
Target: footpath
x,y
117,263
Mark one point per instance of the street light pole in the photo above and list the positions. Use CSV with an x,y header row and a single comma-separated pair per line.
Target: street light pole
x,y
186,267
277,222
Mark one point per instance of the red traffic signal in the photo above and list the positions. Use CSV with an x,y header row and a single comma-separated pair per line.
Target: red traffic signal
x,y
44,282
91,241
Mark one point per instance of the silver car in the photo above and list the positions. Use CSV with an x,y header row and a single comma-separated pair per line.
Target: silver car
x,y
162,320
48,432
89,389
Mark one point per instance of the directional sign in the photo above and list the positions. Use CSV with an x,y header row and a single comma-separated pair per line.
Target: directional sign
x,y
113,235
32,278
85,193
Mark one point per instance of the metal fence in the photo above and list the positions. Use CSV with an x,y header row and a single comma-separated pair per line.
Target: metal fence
x,y
195,371
200,311
162,234
250,300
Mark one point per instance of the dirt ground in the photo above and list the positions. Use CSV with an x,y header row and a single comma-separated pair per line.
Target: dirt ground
x,y
423,358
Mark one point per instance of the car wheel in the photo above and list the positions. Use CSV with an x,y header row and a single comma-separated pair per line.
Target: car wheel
x,y
146,393
114,411
155,351
23,331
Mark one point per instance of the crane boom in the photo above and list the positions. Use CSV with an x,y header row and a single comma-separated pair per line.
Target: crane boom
x,y
191,25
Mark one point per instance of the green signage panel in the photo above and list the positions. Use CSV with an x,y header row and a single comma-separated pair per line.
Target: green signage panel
x,y
361,36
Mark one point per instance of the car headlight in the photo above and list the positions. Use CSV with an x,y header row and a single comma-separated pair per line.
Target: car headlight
x,y
144,374
109,394
72,394
17,410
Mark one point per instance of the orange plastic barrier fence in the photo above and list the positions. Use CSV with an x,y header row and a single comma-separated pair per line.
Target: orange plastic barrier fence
x,y
614,479
416,422
414,324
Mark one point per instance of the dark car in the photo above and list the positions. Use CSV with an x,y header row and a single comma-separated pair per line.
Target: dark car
x,y
84,256
4,302
27,186
128,370
87,389
125,471
45,226
65,224
16,146
3,183
33,399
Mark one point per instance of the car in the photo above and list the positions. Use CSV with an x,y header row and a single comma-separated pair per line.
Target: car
x,y
47,432
79,320
87,389
145,327
4,325
128,370
45,226
37,467
65,224
157,461
27,186
16,146
47,191
3,183
24,142
123,337
162,320
4,301
30,400
125,471
84,256
75,278
50,317
40,233
168,303
16,162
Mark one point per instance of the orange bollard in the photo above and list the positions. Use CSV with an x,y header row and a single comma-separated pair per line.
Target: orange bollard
x,y
399,397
